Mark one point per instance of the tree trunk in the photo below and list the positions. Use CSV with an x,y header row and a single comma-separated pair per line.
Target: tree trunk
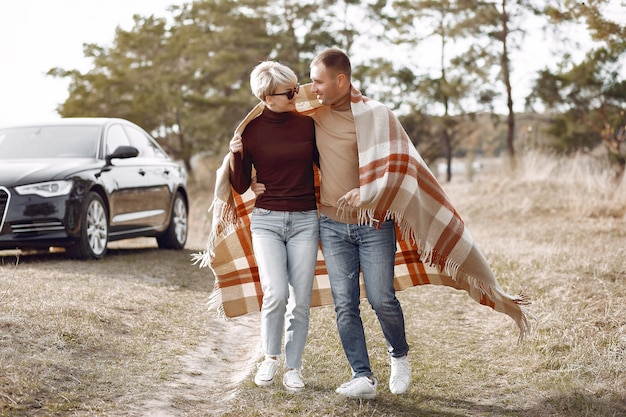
x,y
506,78
185,153
447,143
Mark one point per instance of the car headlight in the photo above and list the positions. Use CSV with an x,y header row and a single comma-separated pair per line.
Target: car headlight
x,y
46,189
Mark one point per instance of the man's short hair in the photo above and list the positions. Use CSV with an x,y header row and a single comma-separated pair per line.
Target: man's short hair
x,y
335,60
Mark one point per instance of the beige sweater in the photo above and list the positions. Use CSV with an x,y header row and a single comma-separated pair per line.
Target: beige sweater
x,y
339,160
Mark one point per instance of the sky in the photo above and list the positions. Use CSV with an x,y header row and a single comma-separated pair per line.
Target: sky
x,y
37,35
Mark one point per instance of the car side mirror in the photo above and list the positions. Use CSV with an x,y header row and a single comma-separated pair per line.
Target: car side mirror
x,y
122,152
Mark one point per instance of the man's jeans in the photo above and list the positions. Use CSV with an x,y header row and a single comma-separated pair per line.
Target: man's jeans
x,y
347,249
285,247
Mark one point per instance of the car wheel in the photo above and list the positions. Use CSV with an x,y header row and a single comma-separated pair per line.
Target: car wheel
x,y
94,230
175,236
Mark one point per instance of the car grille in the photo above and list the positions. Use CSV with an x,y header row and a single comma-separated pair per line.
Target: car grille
x,y
5,197
42,227
31,227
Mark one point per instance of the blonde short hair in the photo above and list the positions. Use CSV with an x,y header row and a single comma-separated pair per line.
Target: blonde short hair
x,y
267,76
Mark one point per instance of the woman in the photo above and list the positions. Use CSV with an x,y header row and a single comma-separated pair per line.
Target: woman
x,y
280,145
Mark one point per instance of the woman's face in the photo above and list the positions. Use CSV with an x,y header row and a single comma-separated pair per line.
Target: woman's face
x,y
283,99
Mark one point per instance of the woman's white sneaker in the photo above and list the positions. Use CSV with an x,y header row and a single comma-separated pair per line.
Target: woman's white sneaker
x,y
400,378
362,387
265,374
292,381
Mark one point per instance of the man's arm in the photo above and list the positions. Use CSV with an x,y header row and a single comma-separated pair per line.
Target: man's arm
x,y
256,187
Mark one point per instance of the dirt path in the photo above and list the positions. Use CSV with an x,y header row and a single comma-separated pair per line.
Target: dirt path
x,y
209,376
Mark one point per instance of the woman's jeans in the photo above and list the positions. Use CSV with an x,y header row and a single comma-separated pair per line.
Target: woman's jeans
x,y
285,247
348,249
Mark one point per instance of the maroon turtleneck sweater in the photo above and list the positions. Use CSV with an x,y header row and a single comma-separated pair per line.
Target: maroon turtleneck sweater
x,y
281,147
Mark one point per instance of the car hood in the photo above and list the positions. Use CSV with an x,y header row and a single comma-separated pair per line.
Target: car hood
x,y
31,171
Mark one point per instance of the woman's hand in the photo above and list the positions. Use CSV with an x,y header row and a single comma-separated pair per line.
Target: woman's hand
x,y
236,145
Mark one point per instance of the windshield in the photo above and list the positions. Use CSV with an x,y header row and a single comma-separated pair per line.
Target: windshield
x,y
49,142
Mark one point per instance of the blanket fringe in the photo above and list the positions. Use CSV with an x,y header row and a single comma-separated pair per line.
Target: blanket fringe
x,y
225,221
215,302
518,302
430,257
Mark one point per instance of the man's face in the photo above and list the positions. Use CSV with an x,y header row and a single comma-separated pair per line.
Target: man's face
x,y
326,86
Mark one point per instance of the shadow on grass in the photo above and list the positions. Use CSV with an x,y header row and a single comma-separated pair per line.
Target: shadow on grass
x,y
577,404
571,405
318,399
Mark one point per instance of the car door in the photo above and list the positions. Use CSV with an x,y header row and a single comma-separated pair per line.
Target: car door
x,y
157,170
128,184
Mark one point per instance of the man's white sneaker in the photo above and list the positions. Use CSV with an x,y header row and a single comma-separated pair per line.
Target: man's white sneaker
x,y
361,387
400,378
265,374
292,381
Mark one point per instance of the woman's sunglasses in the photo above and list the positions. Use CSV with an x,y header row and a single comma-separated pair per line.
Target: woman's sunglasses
x,y
289,93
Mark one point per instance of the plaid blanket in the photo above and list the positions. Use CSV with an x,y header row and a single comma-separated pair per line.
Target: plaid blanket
x,y
434,246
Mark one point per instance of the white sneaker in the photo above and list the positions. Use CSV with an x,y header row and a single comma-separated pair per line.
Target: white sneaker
x,y
400,378
362,387
265,375
292,381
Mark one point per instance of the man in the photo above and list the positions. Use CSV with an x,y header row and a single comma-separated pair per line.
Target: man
x,y
349,244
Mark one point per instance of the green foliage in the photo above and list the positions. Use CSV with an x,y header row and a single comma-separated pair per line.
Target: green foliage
x,y
454,83
588,98
184,77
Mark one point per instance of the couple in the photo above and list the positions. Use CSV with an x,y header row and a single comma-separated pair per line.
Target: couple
x,y
282,146
381,213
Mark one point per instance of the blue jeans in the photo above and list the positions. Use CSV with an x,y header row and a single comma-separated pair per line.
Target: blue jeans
x,y
348,249
285,247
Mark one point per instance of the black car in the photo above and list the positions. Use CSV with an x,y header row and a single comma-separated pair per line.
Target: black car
x,y
80,183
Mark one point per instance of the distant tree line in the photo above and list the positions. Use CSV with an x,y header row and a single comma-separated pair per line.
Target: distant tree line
x,y
184,76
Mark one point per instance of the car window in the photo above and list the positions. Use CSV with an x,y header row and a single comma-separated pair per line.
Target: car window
x,y
147,148
116,137
49,142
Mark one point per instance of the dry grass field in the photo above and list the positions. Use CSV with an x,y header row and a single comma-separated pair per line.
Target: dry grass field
x,y
130,335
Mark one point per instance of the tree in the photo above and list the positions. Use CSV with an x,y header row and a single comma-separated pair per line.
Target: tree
x,y
115,87
185,82
299,29
185,78
452,81
503,21
216,57
588,97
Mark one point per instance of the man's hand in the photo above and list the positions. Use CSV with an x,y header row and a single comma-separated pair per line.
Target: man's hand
x,y
353,197
256,187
